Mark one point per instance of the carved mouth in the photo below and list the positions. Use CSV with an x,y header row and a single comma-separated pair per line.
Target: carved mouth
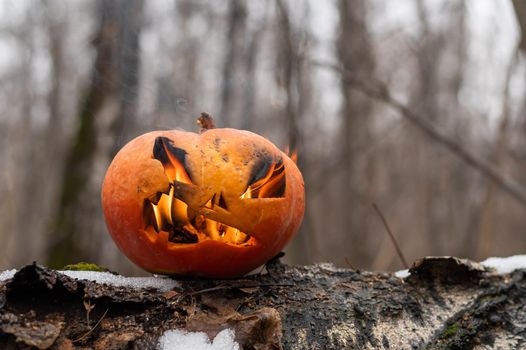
x,y
184,225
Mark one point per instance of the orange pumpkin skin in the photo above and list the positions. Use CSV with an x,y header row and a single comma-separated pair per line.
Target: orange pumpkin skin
x,y
219,161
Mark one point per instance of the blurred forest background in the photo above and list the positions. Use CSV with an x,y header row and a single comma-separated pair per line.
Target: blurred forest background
x,y
416,106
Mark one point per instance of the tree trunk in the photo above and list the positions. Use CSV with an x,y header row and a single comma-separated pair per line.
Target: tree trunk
x,y
446,303
233,58
296,84
251,64
520,12
105,97
128,65
355,55
484,240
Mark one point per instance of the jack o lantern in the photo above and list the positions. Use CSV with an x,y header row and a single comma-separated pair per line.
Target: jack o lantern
x,y
216,204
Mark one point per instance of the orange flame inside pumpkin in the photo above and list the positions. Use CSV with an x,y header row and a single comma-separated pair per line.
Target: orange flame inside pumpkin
x,y
270,183
184,225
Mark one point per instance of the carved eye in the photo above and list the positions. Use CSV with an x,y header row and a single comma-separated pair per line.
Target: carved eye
x,y
268,180
173,160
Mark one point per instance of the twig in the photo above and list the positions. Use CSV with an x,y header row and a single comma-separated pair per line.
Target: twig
x,y
88,307
379,91
348,262
213,289
92,328
390,233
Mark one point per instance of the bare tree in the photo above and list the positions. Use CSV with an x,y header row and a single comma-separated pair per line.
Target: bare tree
x,y
354,52
296,85
237,18
20,186
520,13
287,60
251,58
484,239
128,65
424,100
79,201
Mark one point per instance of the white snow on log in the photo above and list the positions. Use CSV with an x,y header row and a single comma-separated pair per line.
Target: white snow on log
x,y
402,273
181,340
7,274
163,284
506,265
500,265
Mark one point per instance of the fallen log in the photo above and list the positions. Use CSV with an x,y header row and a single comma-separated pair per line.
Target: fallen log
x,y
445,303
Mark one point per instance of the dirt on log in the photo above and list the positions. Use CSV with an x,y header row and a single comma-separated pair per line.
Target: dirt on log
x,y
446,303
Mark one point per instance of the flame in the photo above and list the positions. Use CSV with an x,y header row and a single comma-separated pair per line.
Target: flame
x,y
293,154
247,194
163,209
175,169
268,186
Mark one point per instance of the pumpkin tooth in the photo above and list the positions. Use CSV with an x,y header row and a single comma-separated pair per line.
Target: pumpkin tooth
x,y
211,202
221,202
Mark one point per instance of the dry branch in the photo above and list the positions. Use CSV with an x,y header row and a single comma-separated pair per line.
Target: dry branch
x,y
391,236
380,92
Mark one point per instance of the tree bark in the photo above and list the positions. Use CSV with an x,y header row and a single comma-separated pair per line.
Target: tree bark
x,y
446,303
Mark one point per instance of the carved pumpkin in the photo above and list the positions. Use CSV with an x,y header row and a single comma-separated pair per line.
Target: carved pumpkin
x,y
216,204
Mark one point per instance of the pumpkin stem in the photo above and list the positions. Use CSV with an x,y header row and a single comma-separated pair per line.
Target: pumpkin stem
x,y
206,122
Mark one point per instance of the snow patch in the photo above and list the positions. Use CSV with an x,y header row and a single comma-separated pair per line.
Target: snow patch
x,y
501,265
330,267
402,273
7,274
163,284
506,265
181,340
